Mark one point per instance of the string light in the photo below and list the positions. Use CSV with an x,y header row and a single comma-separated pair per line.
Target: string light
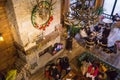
x,y
1,37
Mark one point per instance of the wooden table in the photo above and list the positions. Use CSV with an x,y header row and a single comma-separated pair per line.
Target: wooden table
x,y
74,75
70,75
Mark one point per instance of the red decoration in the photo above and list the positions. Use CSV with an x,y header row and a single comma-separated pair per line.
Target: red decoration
x,y
51,18
43,27
40,27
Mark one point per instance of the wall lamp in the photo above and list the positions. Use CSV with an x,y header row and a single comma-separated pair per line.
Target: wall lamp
x,y
1,37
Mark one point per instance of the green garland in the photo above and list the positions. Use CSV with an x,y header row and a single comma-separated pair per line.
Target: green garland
x,y
48,6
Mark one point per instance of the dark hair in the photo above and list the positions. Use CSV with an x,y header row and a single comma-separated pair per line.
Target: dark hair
x,y
100,24
65,59
102,74
95,66
53,64
86,59
97,63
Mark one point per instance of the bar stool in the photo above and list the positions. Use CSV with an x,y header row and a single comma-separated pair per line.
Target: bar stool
x,y
89,44
104,48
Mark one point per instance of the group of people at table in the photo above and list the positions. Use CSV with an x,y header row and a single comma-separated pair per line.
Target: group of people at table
x,y
89,70
53,71
96,70
103,35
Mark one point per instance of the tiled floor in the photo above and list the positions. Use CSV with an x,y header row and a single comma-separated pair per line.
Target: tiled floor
x,y
114,59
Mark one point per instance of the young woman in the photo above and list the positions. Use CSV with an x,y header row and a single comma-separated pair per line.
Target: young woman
x,y
92,71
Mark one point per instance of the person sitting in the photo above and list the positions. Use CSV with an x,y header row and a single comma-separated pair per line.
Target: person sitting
x,y
112,38
101,76
54,72
83,33
112,74
98,28
116,17
47,72
64,63
85,64
106,31
92,71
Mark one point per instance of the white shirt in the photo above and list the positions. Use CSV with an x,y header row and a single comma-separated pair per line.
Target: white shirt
x,y
83,33
113,36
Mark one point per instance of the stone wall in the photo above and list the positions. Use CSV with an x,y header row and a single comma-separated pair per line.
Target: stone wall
x,y
28,38
39,55
24,32
12,21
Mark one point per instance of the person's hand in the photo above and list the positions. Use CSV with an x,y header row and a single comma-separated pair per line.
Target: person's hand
x,y
68,68
57,75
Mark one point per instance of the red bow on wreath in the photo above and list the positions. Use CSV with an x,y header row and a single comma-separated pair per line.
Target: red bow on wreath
x,y
43,27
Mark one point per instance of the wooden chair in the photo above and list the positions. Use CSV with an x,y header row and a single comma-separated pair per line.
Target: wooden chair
x,y
89,44
104,48
101,45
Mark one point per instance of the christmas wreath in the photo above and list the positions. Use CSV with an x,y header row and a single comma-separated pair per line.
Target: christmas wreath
x,y
42,15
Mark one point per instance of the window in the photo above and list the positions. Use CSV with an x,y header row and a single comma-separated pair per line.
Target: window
x,y
108,6
111,7
73,1
117,8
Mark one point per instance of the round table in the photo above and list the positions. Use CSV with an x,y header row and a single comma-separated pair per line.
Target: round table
x,y
105,20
